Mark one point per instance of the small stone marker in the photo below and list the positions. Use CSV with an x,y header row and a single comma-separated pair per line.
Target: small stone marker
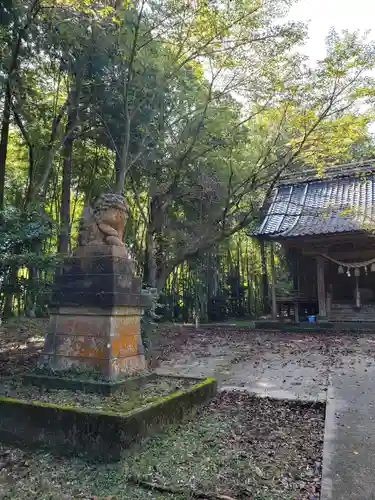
x,y
97,302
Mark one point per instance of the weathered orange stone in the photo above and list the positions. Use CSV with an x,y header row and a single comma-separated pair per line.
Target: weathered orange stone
x,y
109,340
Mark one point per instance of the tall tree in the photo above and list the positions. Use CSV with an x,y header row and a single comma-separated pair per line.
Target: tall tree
x,y
17,19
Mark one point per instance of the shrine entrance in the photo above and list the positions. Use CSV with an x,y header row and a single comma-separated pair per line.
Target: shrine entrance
x,y
329,239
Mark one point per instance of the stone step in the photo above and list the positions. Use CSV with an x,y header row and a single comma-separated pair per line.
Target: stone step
x,y
357,313
352,315
353,319
351,309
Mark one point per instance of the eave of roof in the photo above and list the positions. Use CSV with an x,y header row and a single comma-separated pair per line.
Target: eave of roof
x,y
338,204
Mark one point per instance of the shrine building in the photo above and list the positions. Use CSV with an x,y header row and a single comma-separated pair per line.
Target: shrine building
x,y
326,227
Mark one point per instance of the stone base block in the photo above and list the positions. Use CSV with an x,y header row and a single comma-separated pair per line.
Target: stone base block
x,y
98,386
106,340
96,434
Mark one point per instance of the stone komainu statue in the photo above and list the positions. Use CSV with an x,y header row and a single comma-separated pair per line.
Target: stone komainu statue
x,y
104,222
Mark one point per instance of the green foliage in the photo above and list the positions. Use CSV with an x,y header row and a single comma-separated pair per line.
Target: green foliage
x,y
26,269
190,109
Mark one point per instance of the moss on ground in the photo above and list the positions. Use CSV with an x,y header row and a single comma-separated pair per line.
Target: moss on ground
x,y
123,401
87,375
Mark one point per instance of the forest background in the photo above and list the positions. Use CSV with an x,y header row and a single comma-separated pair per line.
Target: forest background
x,y
193,109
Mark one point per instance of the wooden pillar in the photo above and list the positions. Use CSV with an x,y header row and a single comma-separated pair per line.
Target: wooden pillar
x,y
273,287
321,286
329,300
296,312
357,292
265,283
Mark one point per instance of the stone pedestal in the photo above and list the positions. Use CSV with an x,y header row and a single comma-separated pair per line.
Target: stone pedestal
x,y
95,314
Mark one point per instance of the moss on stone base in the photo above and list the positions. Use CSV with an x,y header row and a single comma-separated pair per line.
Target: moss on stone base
x,y
73,383
98,434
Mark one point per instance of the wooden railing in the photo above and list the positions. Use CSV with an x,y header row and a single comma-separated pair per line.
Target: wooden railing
x,y
291,302
295,296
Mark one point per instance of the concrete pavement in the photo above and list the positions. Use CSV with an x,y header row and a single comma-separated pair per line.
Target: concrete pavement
x,y
340,371
349,440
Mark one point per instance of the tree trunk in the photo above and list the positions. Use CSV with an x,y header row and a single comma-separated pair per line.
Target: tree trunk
x,y
117,167
10,287
30,299
4,138
162,276
121,166
4,134
155,244
64,238
70,106
30,176
149,275
160,251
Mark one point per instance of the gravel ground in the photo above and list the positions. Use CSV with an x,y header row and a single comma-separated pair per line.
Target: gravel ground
x,y
238,447
122,401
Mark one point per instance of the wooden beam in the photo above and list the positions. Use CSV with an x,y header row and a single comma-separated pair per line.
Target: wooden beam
x,y
321,286
329,300
359,255
296,312
315,244
273,286
357,293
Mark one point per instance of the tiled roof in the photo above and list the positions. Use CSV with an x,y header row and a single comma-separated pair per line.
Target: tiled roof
x,y
318,207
